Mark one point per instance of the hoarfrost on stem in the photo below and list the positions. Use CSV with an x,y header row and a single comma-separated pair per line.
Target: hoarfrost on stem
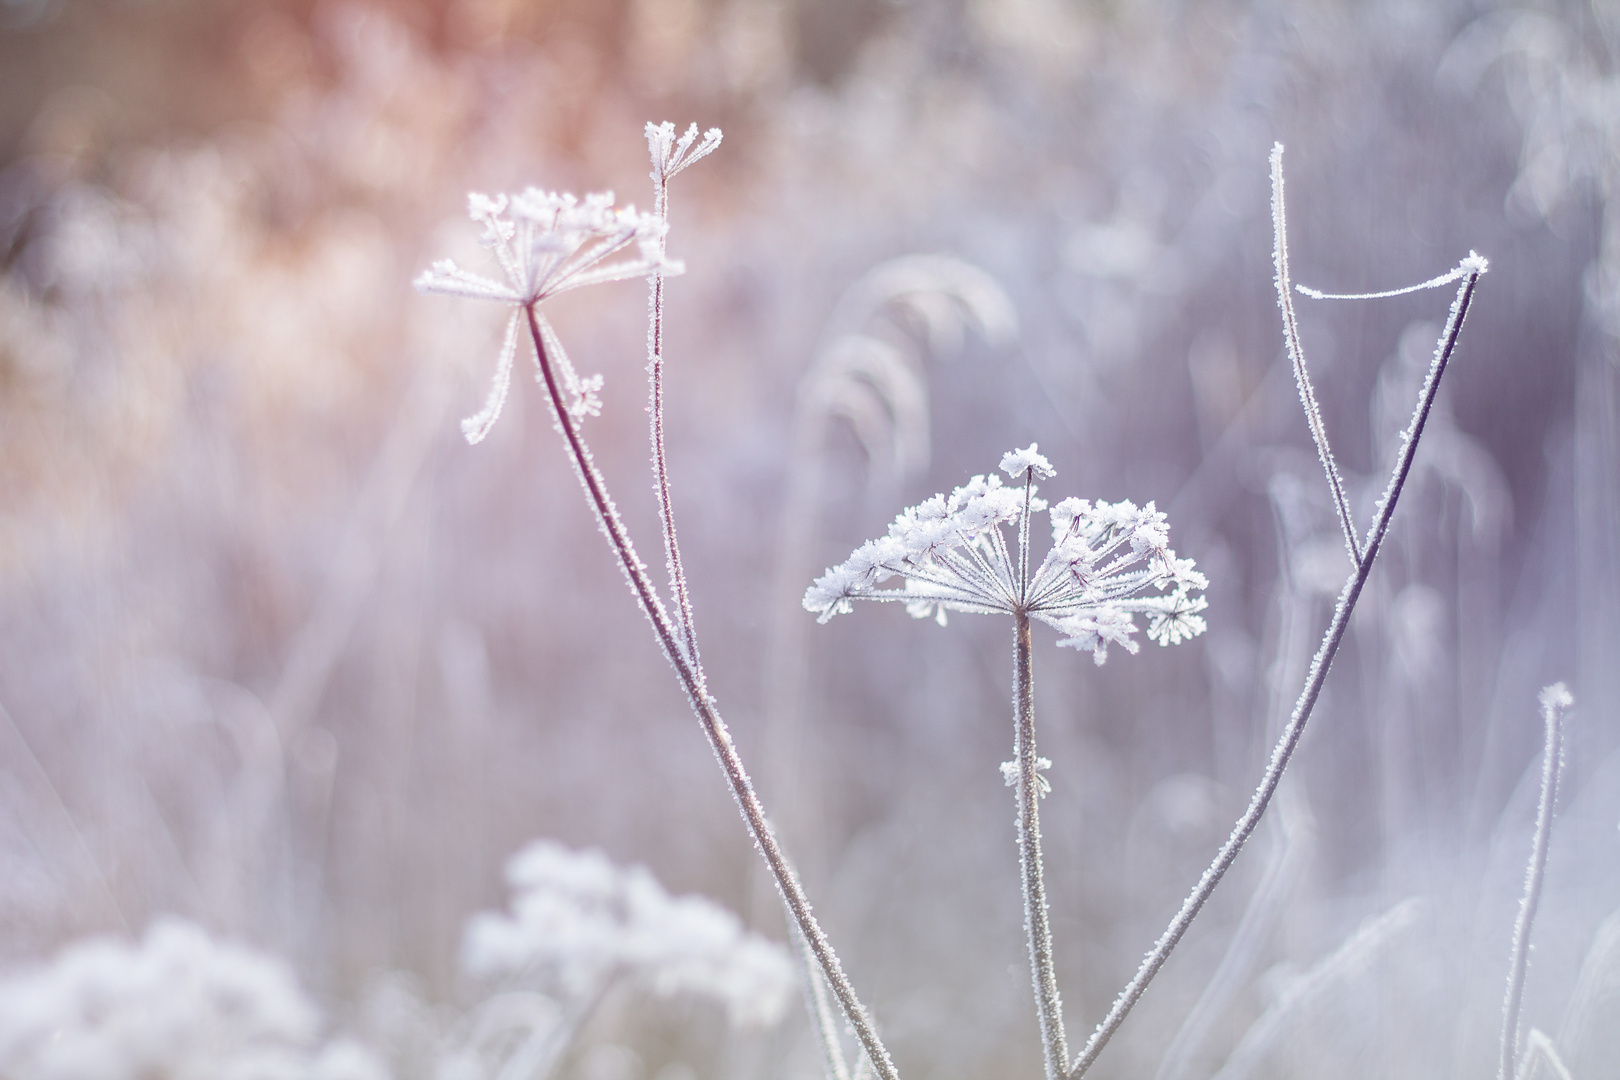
x,y
1108,563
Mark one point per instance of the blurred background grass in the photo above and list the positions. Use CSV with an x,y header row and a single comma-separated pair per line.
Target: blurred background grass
x,y
280,653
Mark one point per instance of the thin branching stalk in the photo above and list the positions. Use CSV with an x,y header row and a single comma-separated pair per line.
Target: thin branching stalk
x,y
1471,269
1037,926
692,681
1296,355
655,432
1555,702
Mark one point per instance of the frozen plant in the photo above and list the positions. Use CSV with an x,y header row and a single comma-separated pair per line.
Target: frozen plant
x,y
578,923
177,1006
546,244
952,555
1108,563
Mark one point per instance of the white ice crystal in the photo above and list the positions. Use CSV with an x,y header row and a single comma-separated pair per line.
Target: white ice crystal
x,y
177,1006
1108,563
548,243
577,921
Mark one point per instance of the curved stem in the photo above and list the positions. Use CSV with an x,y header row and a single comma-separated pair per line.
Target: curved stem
x,y
1037,927
1554,700
691,678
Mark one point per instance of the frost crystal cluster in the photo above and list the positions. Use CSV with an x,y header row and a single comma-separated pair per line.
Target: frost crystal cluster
x,y
579,921
177,1006
1108,563
548,243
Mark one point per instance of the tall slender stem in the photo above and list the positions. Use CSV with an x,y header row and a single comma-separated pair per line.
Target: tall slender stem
x,y
1289,740
1554,701
655,431
1037,927
691,678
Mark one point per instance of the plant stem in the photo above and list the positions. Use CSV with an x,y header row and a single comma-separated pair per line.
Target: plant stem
x,y
1289,740
820,1009
1037,926
1554,700
1296,355
692,681
655,431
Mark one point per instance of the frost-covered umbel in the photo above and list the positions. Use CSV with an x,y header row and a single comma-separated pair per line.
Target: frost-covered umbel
x,y
1108,563
177,1006
578,921
548,243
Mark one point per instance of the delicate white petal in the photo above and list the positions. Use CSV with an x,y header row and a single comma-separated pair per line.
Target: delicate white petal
x,y
448,278
477,426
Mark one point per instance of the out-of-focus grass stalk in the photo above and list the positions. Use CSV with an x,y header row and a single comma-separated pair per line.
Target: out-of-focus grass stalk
x,y
1555,702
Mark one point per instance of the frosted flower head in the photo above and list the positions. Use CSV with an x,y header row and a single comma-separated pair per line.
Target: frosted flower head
x,y
1020,463
548,243
671,155
1108,563
577,920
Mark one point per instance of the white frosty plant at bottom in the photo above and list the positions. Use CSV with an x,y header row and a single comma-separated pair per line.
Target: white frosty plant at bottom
x,y
578,922
176,1006
1108,563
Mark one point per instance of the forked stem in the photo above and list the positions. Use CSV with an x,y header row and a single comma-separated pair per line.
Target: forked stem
x,y
691,677
1289,740
1037,925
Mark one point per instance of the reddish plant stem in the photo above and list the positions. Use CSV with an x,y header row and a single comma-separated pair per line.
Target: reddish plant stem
x,y
691,678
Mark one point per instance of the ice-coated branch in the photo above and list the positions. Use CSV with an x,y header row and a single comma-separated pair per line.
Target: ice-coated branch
x,y
1473,266
1432,283
1296,354
1555,702
668,635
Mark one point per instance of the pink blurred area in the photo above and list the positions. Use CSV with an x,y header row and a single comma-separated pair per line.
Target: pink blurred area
x,y
281,654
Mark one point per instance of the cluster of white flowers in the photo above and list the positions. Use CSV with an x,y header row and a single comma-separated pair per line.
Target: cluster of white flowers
x,y
548,243
177,1006
1108,563
578,921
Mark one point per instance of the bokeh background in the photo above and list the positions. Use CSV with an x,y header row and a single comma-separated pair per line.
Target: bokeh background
x,y
282,655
